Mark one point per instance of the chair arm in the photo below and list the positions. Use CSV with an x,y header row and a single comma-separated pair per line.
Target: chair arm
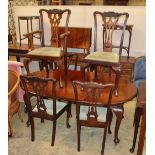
x,y
32,33
63,35
30,38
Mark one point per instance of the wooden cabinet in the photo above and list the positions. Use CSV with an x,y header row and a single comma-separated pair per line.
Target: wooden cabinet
x,y
127,66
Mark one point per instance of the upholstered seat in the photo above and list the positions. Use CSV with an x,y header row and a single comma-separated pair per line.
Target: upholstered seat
x,y
49,106
103,56
46,51
101,111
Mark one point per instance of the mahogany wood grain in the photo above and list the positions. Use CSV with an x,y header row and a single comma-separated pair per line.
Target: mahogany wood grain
x,y
127,91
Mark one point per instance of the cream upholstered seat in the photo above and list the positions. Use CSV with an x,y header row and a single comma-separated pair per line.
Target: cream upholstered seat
x,y
103,56
47,51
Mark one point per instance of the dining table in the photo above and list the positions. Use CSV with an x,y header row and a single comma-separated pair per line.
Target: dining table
x,y
127,91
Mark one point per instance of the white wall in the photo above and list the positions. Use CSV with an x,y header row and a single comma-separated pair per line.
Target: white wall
x,y
82,16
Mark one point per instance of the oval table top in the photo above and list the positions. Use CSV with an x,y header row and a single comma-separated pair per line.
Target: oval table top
x,y
126,89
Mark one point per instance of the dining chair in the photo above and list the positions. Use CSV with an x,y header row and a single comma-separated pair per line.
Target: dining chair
x,y
53,50
106,56
139,73
40,105
13,101
91,111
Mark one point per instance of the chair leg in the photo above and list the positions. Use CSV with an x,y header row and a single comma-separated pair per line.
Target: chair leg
x,y
68,115
78,136
110,120
53,133
10,125
32,128
103,142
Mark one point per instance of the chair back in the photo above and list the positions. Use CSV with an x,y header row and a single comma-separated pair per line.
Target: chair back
x,y
109,22
36,89
56,18
92,93
140,69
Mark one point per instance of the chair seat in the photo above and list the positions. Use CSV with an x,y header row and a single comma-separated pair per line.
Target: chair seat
x,y
101,111
46,51
49,106
103,57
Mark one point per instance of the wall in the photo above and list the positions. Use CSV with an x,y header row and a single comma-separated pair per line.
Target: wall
x,y
82,16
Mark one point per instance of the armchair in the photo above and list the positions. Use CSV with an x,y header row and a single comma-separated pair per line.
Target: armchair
x,y
54,51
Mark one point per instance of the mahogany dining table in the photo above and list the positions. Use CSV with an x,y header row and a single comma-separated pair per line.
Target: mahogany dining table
x,y
127,91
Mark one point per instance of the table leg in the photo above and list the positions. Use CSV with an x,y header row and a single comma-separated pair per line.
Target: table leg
x,y
119,116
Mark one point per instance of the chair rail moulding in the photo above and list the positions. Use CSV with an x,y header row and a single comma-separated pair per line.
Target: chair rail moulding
x,y
82,16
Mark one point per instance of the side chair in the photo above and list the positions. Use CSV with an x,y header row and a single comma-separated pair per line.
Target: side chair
x,y
91,111
105,23
46,106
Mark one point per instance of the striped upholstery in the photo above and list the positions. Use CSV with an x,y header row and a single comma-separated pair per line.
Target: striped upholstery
x,y
103,56
101,111
49,106
46,51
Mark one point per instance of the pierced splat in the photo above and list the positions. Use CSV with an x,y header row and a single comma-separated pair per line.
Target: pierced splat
x,y
92,95
55,21
39,89
92,92
54,16
36,87
109,24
